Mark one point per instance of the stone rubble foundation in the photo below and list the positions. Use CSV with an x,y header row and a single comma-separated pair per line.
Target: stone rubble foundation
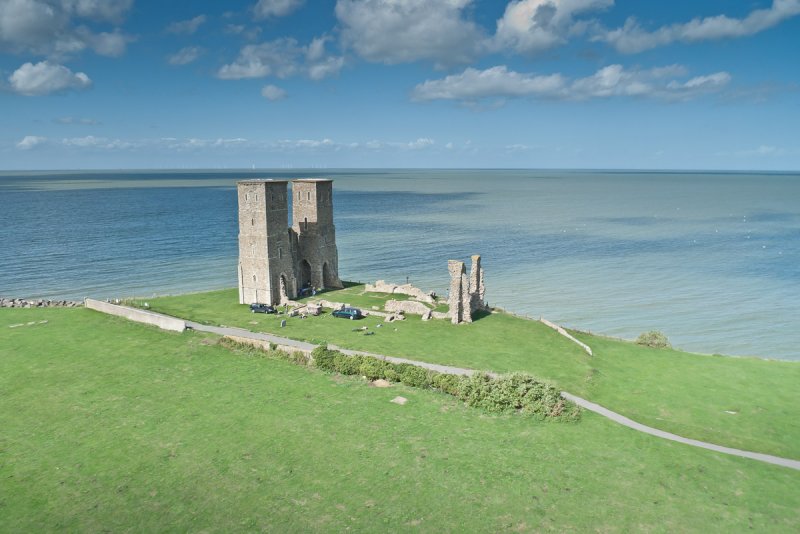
x,y
10,302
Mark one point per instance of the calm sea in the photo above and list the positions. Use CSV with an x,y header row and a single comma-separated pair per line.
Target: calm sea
x,y
711,259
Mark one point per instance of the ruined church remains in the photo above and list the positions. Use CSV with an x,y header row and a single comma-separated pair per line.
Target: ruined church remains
x,y
467,293
277,263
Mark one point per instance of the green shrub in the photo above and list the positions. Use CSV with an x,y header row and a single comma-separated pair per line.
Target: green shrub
x,y
323,357
654,339
447,383
346,365
373,368
390,373
514,393
413,376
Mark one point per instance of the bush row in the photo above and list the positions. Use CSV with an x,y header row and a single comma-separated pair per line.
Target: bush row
x,y
517,392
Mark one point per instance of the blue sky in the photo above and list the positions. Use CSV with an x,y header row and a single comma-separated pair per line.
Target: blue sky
x,y
400,83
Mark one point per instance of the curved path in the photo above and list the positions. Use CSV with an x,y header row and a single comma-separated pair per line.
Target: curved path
x,y
588,405
583,403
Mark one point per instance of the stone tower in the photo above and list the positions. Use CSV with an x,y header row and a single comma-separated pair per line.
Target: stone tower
x,y
467,293
276,262
312,222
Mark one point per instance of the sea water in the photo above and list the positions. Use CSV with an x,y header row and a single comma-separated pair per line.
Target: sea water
x,y
711,259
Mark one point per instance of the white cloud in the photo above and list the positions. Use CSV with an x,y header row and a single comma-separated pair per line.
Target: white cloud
x,y
275,8
282,58
110,44
186,55
400,31
422,142
762,151
186,27
106,10
54,28
530,26
91,141
30,141
474,84
250,34
272,92
76,120
612,81
632,38
45,77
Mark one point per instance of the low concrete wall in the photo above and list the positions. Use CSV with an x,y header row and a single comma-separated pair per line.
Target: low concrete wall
x,y
567,335
266,345
140,316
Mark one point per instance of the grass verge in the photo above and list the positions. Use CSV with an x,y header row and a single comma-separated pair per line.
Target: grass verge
x,y
108,425
746,403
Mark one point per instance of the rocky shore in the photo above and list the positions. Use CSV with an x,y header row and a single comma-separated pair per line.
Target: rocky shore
x,y
9,302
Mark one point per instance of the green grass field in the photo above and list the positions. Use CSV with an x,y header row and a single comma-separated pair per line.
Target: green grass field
x,y
688,394
107,425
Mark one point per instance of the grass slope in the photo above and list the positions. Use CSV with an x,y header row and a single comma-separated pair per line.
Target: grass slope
x,y
113,426
688,394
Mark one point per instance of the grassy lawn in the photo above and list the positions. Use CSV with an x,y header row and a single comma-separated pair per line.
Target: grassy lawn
x,y
688,394
111,426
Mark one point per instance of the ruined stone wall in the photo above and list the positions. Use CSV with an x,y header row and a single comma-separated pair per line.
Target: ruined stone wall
x,y
381,286
276,262
312,220
466,292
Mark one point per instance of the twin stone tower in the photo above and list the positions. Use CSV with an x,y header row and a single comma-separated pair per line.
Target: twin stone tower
x,y
277,264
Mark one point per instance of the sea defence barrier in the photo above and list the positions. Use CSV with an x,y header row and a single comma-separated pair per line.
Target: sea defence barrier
x,y
567,335
140,316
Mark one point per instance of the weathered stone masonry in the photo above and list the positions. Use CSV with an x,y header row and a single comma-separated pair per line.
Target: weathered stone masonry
x,y
276,262
467,294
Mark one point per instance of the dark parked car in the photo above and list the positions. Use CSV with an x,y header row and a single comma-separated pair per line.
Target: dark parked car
x,y
262,308
348,313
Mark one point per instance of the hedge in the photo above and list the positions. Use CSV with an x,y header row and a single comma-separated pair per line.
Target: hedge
x,y
514,393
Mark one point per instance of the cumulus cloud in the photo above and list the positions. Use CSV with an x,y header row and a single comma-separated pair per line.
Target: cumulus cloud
x,y
30,141
272,92
283,58
474,84
186,27
54,27
632,37
400,31
104,10
530,26
275,8
612,81
186,55
91,141
45,77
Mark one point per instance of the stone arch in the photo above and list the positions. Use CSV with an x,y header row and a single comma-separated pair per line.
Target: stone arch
x,y
328,280
305,274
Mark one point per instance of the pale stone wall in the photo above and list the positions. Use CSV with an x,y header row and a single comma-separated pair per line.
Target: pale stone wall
x,y
455,298
406,306
381,286
466,292
567,335
276,262
140,316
